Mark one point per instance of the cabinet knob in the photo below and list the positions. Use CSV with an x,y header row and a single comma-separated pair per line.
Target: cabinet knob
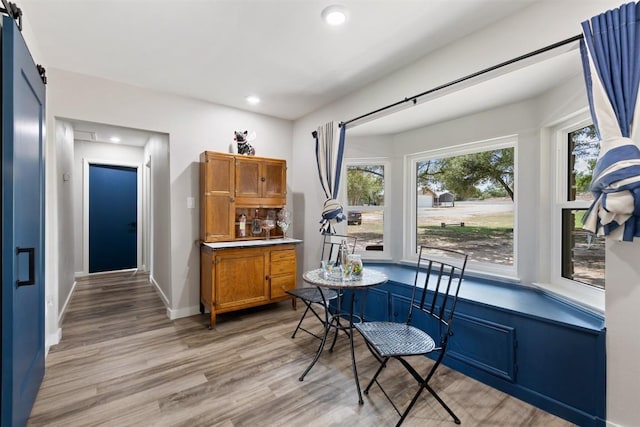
x,y
232,199
263,179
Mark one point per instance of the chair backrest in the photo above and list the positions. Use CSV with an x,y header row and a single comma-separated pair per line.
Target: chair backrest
x,y
331,246
440,271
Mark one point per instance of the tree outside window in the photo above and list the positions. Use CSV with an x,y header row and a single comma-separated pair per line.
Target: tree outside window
x,y
466,202
365,185
366,206
582,251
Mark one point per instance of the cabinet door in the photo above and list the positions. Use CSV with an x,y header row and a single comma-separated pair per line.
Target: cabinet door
x,y
217,211
260,181
240,278
274,179
248,178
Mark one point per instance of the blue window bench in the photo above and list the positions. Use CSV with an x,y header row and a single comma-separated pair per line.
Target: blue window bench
x,y
516,339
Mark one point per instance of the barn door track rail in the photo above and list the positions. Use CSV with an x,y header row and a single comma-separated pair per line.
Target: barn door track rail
x,y
12,10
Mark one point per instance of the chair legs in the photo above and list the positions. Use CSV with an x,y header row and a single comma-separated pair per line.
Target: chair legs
x,y
383,364
423,383
308,308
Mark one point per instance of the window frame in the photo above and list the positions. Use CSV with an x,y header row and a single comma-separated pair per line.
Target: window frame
x,y
509,272
385,254
583,293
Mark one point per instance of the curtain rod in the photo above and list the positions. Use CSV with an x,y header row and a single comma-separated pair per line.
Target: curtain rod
x,y
414,98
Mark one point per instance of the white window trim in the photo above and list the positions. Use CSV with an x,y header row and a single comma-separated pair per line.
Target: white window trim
x,y
411,160
572,290
385,254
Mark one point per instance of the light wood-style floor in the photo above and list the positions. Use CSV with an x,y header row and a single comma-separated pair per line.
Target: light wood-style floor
x,y
121,362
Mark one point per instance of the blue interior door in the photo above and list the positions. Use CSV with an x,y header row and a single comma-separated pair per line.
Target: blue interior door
x,y
23,116
113,212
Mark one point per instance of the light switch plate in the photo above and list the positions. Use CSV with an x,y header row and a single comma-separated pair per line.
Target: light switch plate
x,y
191,203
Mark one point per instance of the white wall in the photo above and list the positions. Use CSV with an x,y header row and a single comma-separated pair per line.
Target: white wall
x,y
66,225
59,276
157,154
542,24
622,278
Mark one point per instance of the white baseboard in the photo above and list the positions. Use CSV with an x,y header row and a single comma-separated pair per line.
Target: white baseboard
x,y
66,303
610,424
171,313
104,273
51,340
182,312
157,288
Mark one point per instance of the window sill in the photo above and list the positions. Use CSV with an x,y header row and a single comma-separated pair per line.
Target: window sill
x,y
513,296
582,296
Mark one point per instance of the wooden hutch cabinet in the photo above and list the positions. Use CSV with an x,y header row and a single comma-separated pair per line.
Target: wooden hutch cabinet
x,y
231,185
240,270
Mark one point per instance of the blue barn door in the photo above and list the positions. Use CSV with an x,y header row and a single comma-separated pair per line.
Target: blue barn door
x,y
23,125
113,213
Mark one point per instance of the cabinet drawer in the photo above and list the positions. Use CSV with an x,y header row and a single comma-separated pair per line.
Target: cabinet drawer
x,y
283,267
283,262
282,256
281,284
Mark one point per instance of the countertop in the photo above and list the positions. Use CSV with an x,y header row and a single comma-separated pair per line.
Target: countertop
x,y
251,243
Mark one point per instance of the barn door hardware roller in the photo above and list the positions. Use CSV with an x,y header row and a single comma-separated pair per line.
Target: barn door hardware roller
x,y
13,11
42,72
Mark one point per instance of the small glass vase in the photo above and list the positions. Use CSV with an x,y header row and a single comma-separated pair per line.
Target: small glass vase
x,y
355,266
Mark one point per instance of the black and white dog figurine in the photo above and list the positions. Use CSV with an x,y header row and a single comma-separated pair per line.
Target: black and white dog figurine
x,y
243,144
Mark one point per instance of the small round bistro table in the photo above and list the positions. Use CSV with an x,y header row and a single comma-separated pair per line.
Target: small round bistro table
x,y
370,277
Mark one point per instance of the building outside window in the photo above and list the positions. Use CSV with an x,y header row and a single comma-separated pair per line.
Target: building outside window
x,y
465,199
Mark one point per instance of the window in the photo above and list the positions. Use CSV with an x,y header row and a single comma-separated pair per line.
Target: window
x,y
464,199
582,253
366,209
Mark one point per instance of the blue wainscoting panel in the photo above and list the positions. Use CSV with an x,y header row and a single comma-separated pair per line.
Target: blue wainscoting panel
x,y
376,304
485,345
399,308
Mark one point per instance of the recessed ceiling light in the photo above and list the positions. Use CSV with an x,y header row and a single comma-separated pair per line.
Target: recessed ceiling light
x,y
253,100
334,15
114,139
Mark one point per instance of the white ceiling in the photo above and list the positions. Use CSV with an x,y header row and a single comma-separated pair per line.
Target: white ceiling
x,y
224,50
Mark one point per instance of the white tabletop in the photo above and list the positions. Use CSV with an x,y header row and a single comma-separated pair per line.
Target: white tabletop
x,y
370,277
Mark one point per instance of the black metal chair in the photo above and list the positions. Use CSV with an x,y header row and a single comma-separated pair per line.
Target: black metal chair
x,y
311,296
440,271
